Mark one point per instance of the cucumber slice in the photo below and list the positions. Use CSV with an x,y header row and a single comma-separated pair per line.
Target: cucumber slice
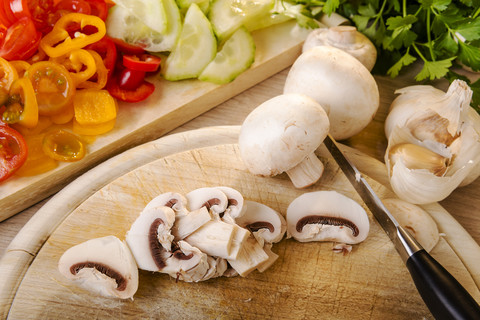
x,y
122,24
236,55
151,12
227,16
195,48
185,4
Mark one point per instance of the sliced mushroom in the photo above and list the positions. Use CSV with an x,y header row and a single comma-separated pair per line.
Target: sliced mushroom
x,y
173,200
188,223
416,220
327,216
272,257
235,204
186,263
250,257
150,238
263,222
217,267
214,199
102,265
214,238
281,135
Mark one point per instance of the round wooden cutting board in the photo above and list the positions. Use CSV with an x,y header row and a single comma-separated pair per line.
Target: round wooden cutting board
x,y
308,281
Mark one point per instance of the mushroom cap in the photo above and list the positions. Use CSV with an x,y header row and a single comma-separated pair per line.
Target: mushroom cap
x,y
416,220
173,200
213,198
102,265
263,222
327,216
235,203
281,132
150,237
339,83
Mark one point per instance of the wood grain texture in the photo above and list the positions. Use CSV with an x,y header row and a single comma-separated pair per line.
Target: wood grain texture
x,y
307,282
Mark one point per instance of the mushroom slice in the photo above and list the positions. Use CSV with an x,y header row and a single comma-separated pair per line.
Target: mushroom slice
x,y
216,267
272,257
173,200
235,204
327,216
186,263
416,220
150,238
251,256
281,135
214,238
263,222
214,199
188,223
102,265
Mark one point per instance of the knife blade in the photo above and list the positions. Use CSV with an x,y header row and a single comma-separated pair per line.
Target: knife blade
x,y
442,293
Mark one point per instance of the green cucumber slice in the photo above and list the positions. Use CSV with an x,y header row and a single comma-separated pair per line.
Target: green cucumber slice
x,y
236,55
151,12
195,48
185,4
122,24
227,16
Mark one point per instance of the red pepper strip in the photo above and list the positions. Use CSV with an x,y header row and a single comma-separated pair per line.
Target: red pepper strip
x,y
145,62
140,93
107,50
59,42
129,79
127,48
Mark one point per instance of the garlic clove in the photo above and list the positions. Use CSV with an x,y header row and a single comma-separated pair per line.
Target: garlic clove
x,y
417,157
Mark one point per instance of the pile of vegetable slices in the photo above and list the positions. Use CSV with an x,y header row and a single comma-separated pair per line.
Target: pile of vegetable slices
x,y
60,79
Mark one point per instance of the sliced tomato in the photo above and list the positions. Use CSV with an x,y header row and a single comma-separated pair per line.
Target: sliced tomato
x,y
19,8
142,92
99,8
6,13
144,62
62,145
54,88
79,6
13,151
21,40
107,50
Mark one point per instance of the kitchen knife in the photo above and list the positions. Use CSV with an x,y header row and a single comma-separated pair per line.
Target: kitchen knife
x,y
442,293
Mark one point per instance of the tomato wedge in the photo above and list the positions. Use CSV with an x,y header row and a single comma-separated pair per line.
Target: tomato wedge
x,y
80,6
144,62
142,92
13,151
99,8
21,40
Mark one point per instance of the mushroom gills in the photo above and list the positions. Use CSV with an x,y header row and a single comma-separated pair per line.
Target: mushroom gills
x,y
150,238
327,216
102,265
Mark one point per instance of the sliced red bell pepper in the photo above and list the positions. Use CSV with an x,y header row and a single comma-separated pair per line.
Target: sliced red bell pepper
x,y
144,62
126,48
99,8
107,50
142,92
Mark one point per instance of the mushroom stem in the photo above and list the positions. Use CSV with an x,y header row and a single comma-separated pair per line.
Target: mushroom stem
x,y
307,172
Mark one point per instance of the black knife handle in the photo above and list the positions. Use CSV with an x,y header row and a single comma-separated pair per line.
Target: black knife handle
x,y
441,292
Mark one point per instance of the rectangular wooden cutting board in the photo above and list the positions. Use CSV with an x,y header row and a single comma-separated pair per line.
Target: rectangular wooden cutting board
x,y
171,105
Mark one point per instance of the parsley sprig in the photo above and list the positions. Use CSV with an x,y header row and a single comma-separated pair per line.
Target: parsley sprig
x,y
441,34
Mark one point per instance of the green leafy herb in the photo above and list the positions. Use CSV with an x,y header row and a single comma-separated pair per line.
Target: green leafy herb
x,y
437,33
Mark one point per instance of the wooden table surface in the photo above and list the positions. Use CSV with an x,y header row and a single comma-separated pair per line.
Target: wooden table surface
x,y
462,204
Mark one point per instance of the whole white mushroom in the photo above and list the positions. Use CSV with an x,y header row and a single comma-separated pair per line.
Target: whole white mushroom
x,y
281,135
340,84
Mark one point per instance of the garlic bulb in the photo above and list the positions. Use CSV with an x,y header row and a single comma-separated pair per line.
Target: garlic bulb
x,y
346,38
433,142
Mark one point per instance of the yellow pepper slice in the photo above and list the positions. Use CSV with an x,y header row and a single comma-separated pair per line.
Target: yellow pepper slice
x,y
70,32
22,105
8,74
94,106
93,129
64,116
80,63
21,66
99,80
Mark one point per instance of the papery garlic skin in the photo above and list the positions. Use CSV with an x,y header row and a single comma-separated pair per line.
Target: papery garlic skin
x,y
443,124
